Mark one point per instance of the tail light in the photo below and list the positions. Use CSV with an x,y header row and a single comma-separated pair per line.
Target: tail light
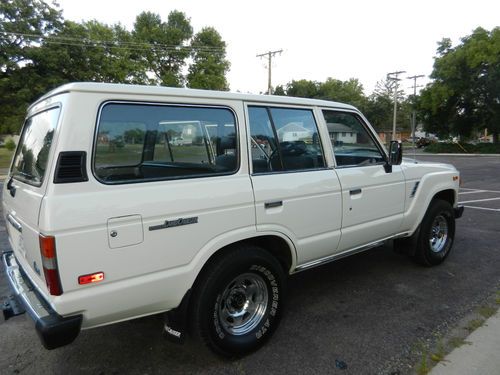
x,y
49,262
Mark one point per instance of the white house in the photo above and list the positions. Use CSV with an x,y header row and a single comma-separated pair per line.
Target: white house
x,y
293,131
342,133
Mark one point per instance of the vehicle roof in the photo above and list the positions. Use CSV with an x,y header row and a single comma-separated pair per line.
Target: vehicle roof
x,y
114,88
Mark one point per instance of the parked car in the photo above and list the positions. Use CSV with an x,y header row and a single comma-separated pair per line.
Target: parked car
x,y
422,142
207,230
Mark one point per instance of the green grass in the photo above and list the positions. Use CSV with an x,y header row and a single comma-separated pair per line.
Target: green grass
x,y
486,311
474,324
457,342
131,154
5,157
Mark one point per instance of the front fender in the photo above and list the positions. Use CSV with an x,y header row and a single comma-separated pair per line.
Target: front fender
x,y
429,186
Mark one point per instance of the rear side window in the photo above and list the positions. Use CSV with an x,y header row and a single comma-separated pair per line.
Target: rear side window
x,y
30,160
138,142
284,139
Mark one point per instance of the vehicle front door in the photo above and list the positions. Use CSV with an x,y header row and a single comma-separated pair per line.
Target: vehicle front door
x,y
372,195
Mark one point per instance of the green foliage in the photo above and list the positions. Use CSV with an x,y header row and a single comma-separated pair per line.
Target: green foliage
x,y
454,148
378,107
464,96
168,39
10,145
39,51
209,67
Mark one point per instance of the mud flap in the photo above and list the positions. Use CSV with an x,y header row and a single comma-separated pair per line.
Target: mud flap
x,y
11,307
175,321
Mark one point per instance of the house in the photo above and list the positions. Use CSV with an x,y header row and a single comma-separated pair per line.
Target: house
x,y
294,131
342,133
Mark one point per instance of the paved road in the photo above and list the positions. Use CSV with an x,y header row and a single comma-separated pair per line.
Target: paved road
x,y
370,311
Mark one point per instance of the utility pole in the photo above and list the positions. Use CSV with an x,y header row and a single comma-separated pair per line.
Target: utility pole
x,y
414,112
394,77
270,55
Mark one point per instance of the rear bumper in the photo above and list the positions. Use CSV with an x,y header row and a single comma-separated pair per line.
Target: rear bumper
x,y
54,330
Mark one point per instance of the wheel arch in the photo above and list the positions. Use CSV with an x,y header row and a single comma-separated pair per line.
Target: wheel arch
x,y
447,195
279,247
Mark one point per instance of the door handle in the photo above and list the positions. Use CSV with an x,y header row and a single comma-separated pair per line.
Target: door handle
x,y
273,204
355,191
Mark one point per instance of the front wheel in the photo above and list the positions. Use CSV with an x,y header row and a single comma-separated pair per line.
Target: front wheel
x,y
437,232
238,300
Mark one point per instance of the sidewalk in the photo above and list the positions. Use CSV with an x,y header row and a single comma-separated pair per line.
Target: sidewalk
x,y
480,355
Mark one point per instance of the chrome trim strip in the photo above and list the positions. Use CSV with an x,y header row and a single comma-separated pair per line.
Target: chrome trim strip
x,y
23,288
346,253
16,224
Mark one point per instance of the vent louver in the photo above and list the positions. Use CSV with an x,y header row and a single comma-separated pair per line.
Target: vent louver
x,y
71,167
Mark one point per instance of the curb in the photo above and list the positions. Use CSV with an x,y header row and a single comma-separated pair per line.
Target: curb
x,y
469,155
478,356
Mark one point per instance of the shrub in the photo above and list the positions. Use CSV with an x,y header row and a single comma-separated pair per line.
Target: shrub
x,y
10,145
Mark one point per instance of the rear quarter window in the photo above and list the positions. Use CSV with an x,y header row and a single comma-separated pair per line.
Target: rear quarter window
x,y
30,159
143,142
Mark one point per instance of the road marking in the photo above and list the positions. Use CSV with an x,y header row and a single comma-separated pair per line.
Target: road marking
x,y
486,191
480,200
484,208
473,192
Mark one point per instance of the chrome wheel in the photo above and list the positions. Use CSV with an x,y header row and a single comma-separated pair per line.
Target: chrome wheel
x,y
439,234
243,304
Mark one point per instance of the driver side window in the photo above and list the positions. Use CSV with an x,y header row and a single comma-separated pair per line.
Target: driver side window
x,y
351,141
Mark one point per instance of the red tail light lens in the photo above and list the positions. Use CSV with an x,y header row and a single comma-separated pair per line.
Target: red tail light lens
x,y
49,262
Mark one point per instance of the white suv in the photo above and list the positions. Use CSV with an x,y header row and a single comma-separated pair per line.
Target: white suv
x,y
111,217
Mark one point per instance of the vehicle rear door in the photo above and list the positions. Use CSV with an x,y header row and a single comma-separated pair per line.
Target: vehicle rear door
x,y
295,192
26,185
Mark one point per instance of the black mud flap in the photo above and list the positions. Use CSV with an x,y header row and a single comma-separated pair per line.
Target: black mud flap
x,y
175,321
11,307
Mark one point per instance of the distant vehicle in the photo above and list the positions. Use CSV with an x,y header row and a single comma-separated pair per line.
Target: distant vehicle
x,y
422,142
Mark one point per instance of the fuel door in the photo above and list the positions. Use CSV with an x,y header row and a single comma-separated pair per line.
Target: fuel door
x,y
125,231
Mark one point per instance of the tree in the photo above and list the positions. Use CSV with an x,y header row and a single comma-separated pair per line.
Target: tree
x,y
209,67
465,94
380,107
302,89
165,50
23,25
350,91
39,51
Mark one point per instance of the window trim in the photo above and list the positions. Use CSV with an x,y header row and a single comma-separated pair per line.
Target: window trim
x,y
163,104
268,107
51,152
370,131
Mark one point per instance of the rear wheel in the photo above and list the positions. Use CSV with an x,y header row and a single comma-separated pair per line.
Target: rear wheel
x,y
238,300
437,232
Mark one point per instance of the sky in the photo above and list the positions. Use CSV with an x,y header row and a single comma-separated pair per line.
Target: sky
x,y
360,39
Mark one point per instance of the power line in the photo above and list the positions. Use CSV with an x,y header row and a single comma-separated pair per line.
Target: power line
x,y
88,42
270,55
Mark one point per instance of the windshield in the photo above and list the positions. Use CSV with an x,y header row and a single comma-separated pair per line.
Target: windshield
x,y
30,160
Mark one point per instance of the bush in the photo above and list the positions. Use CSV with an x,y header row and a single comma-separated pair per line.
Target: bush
x,y
466,148
10,145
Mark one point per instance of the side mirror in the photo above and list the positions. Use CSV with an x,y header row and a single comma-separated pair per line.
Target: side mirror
x,y
395,155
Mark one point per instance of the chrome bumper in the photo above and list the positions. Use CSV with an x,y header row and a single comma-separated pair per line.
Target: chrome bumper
x,y
54,330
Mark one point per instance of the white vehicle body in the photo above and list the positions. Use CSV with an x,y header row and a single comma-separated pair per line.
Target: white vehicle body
x,y
151,238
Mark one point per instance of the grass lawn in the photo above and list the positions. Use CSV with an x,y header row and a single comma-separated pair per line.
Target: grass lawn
x,y
5,157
